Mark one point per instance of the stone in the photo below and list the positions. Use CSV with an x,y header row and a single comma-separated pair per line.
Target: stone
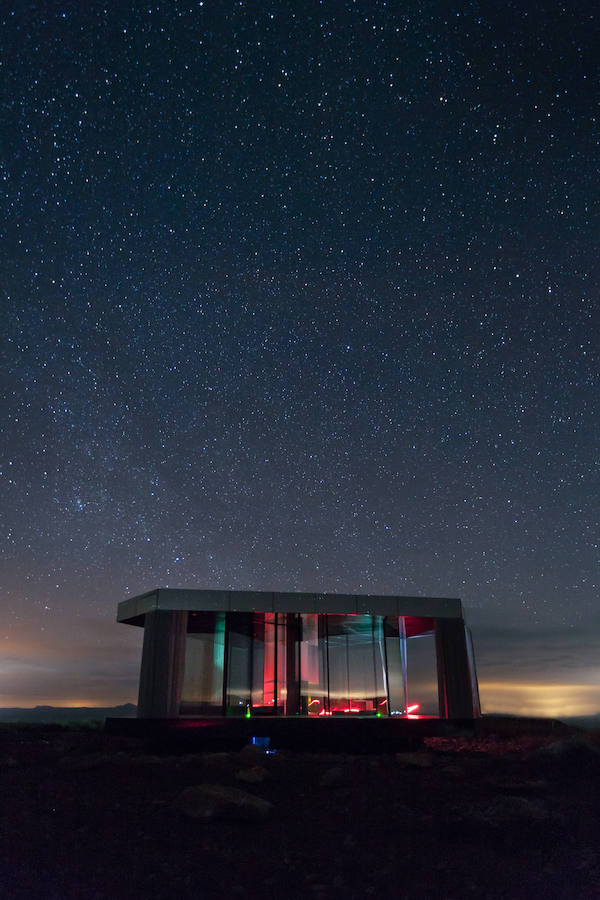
x,y
517,785
251,754
502,812
219,758
206,802
253,775
416,759
147,759
83,763
453,771
336,776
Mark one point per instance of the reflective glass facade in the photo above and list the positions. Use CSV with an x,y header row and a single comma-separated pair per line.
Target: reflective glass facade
x,y
312,664
240,653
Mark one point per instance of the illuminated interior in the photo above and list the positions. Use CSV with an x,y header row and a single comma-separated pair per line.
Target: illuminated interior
x,y
311,664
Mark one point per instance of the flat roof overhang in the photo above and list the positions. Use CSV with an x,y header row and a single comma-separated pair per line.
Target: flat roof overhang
x,y
133,610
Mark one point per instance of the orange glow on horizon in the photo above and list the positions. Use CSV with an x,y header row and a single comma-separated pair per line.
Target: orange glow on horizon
x,y
542,700
89,703
511,698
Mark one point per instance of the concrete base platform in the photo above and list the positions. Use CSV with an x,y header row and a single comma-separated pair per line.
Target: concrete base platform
x,y
360,735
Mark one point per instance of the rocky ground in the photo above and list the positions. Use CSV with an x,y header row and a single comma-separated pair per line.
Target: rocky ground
x,y
505,814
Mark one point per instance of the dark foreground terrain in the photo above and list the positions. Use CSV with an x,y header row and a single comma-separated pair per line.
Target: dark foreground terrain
x,y
509,813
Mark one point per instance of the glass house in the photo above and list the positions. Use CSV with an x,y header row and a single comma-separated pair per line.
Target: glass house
x,y
237,653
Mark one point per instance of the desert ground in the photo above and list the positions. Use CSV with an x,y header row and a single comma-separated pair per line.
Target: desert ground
x,y
512,811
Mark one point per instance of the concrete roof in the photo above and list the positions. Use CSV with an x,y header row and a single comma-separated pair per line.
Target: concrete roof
x,y
134,609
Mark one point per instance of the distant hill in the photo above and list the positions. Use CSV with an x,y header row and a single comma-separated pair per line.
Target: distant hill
x,y
523,723
582,721
65,713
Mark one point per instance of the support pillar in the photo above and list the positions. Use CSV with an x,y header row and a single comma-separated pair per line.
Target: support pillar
x,y
163,660
292,704
455,686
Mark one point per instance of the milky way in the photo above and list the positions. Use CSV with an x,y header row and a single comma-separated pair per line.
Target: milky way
x,y
295,296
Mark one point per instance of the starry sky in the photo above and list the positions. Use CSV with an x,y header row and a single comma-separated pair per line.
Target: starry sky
x,y
299,296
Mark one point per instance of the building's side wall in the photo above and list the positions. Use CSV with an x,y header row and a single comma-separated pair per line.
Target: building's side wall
x,y
163,659
455,682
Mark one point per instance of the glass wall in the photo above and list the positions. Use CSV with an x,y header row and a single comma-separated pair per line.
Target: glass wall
x,y
264,664
309,664
239,664
256,664
395,654
202,692
343,667
421,667
313,665
355,665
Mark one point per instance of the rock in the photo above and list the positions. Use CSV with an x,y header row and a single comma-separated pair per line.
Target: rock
x,y
324,759
253,775
222,757
517,785
121,758
334,777
501,812
83,763
453,771
216,801
417,759
218,762
148,759
251,754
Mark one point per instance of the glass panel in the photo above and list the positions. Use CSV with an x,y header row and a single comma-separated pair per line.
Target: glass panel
x,y
315,664
281,637
395,651
239,663
313,682
256,663
202,691
292,632
264,661
356,665
381,669
422,682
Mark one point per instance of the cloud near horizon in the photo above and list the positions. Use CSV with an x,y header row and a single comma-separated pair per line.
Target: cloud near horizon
x,y
536,670
59,668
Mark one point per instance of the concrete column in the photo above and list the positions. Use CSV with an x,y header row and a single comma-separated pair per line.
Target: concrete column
x,y
455,690
163,660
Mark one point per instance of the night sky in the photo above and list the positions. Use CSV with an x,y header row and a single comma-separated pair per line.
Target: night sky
x,y
300,296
